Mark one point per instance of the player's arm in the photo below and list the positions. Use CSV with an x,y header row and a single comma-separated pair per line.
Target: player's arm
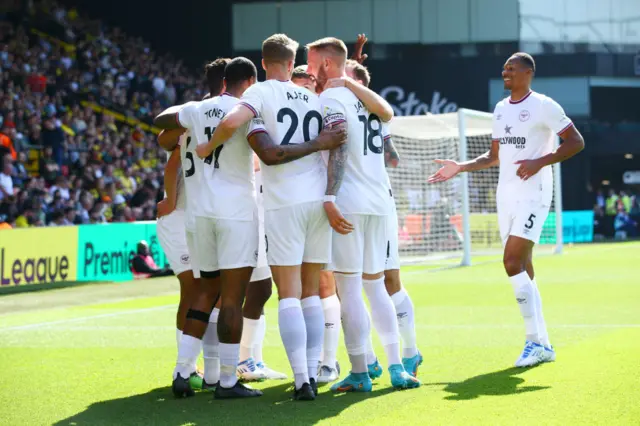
x,y
171,176
273,154
451,168
168,139
391,156
238,116
572,141
375,103
168,119
358,56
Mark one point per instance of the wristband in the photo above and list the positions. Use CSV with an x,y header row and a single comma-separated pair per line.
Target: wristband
x,y
330,198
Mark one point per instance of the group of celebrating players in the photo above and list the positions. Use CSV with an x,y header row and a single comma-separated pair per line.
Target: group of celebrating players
x,y
316,213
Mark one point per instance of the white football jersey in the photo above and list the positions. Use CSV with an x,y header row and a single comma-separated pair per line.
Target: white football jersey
x,y
192,171
227,179
291,115
526,130
365,187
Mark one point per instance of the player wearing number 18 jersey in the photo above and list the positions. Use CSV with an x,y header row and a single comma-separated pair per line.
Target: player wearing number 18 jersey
x,y
524,128
357,187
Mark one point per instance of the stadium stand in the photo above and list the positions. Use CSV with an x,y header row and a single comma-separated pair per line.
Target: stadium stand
x,y
76,105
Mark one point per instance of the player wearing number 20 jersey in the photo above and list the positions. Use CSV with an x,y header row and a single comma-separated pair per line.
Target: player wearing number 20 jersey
x,y
296,226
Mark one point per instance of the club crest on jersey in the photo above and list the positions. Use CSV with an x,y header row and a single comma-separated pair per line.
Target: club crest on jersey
x,y
524,115
184,259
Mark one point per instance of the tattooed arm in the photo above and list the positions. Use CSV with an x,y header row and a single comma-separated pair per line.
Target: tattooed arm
x,y
273,154
335,170
391,156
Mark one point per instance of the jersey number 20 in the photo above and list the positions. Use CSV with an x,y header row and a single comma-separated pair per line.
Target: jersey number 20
x,y
293,118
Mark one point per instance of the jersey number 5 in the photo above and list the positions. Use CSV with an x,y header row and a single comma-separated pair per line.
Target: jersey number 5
x,y
529,223
293,118
370,133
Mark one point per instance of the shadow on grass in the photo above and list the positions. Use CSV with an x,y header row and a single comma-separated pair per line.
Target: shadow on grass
x,y
503,382
159,407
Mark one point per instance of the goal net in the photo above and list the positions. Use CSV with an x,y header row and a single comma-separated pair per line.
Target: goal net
x,y
453,222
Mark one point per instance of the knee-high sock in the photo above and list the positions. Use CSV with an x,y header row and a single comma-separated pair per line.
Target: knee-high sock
x,y
543,334
293,332
188,352
406,322
383,315
229,357
260,334
355,320
524,292
332,325
314,320
249,337
371,354
211,349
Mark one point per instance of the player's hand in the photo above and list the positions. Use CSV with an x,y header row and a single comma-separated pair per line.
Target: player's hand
x,y
448,170
331,138
358,56
336,220
165,208
528,168
203,150
337,82
391,160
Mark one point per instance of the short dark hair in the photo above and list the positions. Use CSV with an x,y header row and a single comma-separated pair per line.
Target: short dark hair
x,y
214,73
240,69
526,59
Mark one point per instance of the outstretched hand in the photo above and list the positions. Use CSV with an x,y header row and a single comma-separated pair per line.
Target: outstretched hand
x,y
448,170
358,56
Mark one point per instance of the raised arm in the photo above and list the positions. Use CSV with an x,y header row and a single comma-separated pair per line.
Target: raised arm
x,y
239,115
168,119
451,168
273,154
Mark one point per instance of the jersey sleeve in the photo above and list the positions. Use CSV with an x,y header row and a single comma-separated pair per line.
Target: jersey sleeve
x,y
186,115
333,112
253,99
386,132
495,129
255,126
555,117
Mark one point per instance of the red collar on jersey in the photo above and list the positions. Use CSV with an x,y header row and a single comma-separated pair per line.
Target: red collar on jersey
x,y
511,101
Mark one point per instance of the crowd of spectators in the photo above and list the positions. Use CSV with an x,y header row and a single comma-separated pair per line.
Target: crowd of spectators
x,y
616,215
63,159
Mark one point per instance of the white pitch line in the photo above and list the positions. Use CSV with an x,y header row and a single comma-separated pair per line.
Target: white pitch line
x,y
80,319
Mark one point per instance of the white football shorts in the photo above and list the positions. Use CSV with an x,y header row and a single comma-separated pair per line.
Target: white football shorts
x,y
262,271
393,256
364,250
193,253
523,219
171,235
298,233
226,244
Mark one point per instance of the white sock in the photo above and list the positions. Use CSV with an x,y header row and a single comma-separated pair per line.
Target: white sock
x,y
260,334
406,322
229,353
355,320
524,292
188,352
371,355
293,332
314,320
178,336
249,337
211,349
332,324
543,334
383,315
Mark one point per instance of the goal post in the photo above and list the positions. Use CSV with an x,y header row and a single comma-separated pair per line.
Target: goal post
x,y
454,222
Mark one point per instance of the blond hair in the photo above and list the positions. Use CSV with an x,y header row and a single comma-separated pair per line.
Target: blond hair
x,y
359,71
279,48
332,46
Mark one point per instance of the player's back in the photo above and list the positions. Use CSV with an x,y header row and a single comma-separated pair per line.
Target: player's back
x,y
227,173
291,115
365,187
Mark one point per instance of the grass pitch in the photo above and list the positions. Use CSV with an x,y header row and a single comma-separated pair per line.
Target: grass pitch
x,y
103,354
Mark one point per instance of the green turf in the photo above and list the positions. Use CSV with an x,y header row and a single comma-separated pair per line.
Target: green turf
x,y
103,354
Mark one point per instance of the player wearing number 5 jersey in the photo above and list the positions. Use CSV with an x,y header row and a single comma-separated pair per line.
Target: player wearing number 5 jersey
x,y
358,188
524,129
297,231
